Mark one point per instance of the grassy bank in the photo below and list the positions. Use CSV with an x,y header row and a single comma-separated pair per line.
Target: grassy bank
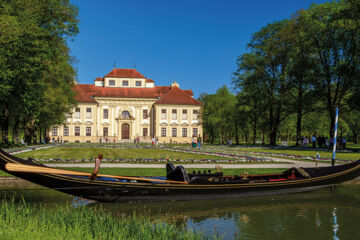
x,y
24,221
161,172
111,153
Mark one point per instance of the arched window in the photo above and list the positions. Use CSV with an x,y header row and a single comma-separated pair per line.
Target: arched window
x,y
125,114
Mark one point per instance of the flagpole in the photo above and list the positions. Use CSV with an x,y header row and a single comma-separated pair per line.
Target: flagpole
x,y
335,134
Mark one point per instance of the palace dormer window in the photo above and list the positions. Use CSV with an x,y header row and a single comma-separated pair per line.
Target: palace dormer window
x,y
125,83
111,82
138,83
125,114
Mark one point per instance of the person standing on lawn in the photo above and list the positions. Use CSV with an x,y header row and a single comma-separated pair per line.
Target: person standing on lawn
x,y
344,143
313,140
199,141
96,168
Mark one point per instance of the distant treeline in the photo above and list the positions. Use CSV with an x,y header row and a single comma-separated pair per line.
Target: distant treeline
x,y
36,75
294,75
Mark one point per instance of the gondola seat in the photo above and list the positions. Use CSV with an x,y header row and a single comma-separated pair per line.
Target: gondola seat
x,y
176,173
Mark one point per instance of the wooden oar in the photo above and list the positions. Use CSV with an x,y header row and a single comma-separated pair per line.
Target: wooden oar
x,y
15,167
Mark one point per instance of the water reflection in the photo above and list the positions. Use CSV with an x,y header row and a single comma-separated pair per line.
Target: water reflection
x,y
323,214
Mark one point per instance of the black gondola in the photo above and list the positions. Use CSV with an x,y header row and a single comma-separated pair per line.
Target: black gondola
x,y
178,184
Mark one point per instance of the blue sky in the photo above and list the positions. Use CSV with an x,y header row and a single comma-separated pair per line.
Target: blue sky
x,y
195,42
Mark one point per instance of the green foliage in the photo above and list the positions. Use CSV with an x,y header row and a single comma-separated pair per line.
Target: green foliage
x,y
219,117
298,70
36,75
22,221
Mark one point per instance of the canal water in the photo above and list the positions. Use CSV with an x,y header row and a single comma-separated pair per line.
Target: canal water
x,y
329,213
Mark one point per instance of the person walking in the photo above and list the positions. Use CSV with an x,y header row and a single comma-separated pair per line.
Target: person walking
x,y
199,141
313,140
344,143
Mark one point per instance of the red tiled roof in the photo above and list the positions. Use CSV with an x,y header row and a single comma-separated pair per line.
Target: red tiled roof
x,y
149,80
125,73
190,92
176,96
99,79
85,93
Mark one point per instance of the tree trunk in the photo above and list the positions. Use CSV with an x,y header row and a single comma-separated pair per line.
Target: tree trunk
x,y
298,126
273,137
5,128
355,138
254,132
237,132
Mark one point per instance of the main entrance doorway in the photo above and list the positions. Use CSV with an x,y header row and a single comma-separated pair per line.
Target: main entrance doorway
x,y
125,131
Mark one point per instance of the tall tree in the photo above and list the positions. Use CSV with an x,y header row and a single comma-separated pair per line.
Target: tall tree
x,y
35,60
267,68
333,31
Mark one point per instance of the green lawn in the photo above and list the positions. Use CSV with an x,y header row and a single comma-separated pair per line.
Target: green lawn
x,y
111,153
305,152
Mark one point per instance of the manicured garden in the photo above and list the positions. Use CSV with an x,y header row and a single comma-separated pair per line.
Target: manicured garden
x,y
111,153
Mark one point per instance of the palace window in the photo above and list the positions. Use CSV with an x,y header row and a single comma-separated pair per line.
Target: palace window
x,y
174,114
88,112
111,82
138,83
105,132
106,114
125,114
163,113
54,131
184,132
195,114
66,131
77,113
163,132
145,132
145,114
173,132
184,114
125,83
88,131
77,131
195,132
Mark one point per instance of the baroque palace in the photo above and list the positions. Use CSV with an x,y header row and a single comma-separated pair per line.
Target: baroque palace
x,y
124,105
